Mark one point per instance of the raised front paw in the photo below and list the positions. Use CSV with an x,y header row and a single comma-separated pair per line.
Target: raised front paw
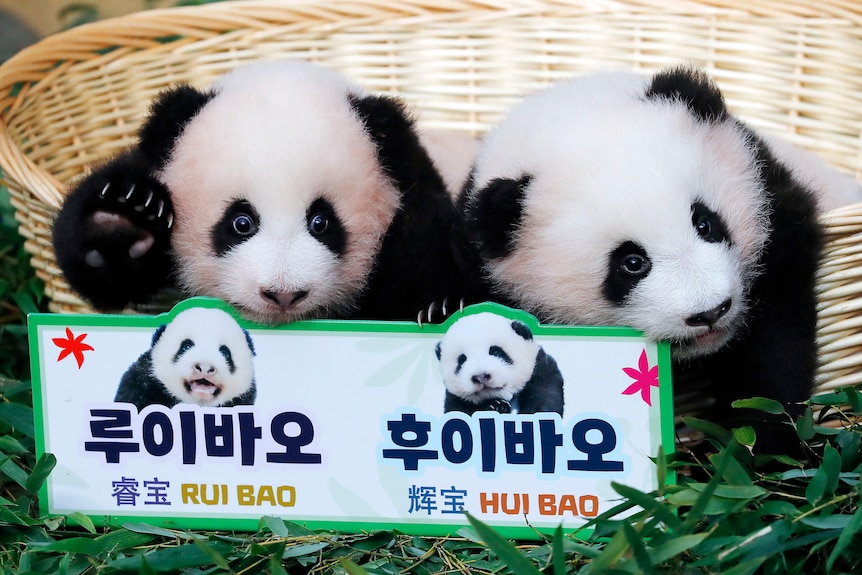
x,y
112,236
131,214
127,218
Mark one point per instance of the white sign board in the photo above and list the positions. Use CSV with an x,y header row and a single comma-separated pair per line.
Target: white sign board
x,y
346,426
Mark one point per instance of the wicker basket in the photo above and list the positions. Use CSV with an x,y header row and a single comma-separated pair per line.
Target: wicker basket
x,y
792,67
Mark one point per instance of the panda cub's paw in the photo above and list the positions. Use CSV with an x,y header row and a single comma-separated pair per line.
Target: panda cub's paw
x,y
127,217
112,235
437,312
499,405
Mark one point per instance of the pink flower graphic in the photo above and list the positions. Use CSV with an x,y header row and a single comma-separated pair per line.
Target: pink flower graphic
x,y
645,378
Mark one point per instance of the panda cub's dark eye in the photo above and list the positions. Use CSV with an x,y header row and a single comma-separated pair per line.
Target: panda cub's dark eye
x,y
318,224
707,224
628,265
244,225
239,223
635,265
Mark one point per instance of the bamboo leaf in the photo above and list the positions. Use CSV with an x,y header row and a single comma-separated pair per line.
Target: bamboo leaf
x,y
847,535
276,525
636,544
760,404
79,518
674,546
645,501
172,558
41,470
503,549
19,417
351,568
558,555
805,425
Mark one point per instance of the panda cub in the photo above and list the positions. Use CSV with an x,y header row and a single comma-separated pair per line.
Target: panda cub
x,y
619,199
284,190
201,357
490,362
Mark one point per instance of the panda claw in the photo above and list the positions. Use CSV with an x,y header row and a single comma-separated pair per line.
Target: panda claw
x,y
420,317
445,305
431,309
149,199
104,191
161,209
130,192
170,221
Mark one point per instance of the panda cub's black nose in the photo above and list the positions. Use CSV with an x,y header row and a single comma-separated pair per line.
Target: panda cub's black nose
x,y
284,299
481,378
710,317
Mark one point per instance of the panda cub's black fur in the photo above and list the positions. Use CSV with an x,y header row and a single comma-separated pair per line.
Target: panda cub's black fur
x,y
202,357
619,199
490,362
284,190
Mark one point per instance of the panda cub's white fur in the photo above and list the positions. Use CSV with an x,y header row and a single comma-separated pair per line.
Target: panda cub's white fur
x,y
281,135
605,165
622,199
492,362
201,357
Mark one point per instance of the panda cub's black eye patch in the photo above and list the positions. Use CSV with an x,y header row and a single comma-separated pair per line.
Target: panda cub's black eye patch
x,y
461,359
186,345
324,226
239,222
708,224
500,353
228,357
627,265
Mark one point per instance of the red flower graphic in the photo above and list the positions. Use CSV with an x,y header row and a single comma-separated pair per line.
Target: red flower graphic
x,y
645,378
73,345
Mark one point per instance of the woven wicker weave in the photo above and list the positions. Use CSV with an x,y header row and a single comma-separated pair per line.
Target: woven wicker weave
x,y
792,67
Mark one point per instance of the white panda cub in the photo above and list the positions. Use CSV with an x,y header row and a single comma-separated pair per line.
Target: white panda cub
x,y
490,362
622,199
202,357
285,190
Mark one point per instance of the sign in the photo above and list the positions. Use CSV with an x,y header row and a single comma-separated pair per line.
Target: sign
x,y
345,425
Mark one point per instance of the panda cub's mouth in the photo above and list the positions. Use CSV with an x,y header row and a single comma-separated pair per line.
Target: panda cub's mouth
x,y
202,388
703,343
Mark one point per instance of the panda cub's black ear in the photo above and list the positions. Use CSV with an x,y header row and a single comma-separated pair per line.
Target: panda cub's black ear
x,y
438,350
169,114
493,215
521,329
691,87
250,342
158,334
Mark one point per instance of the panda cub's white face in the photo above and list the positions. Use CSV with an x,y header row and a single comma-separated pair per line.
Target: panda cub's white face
x,y
482,357
634,212
204,357
281,204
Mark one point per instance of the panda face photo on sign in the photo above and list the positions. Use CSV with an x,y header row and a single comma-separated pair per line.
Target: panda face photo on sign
x,y
490,362
202,357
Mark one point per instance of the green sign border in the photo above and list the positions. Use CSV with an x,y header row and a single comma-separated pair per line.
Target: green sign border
x,y
39,320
